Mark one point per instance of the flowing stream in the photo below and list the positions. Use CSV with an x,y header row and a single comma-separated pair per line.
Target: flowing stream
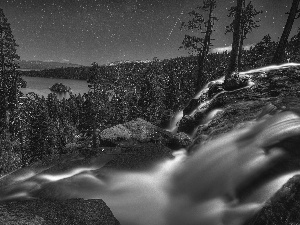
x,y
211,187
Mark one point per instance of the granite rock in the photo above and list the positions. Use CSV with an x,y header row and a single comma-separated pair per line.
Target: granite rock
x,y
48,212
283,208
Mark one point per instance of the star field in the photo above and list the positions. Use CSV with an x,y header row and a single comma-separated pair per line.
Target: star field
x,y
84,31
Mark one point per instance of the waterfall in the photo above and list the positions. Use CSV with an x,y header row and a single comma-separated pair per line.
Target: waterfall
x,y
209,187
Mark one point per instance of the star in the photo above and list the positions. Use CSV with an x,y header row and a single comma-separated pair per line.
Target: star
x,y
140,29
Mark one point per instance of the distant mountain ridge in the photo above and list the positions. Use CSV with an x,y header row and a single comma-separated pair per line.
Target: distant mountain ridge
x,y
41,65
129,61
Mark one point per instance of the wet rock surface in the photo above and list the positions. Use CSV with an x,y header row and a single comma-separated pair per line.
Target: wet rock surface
x,y
248,104
181,140
283,208
215,89
139,131
51,212
234,82
187,124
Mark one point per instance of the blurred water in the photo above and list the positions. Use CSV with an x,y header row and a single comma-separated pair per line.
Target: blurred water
x,y
174,121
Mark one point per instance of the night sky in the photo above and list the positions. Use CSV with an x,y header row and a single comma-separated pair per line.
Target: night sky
x,y
103,31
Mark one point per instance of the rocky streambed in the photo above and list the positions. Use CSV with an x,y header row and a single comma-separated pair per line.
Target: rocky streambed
x,y
138,145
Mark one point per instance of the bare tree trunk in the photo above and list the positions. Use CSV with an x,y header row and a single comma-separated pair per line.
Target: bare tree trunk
x,y
240,51
280,51
201,80
234,57
243,36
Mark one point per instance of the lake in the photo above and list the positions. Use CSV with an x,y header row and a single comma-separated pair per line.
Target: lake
x,y
40,86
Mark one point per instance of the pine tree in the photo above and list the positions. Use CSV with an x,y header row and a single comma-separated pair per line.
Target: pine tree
x,y
200,45
8,74
293,48
234,55
99,84
279,55
261,54
248,23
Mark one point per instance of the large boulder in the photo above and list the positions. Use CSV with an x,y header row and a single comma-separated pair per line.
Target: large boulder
x,y
48,212
180,140
187,124
235,82
142,130
114,135
135,131
283,208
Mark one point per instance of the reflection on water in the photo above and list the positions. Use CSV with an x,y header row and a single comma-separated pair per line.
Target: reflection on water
x,y
61,95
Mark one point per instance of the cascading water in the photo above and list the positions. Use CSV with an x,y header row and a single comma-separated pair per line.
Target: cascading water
x,y
178,115
207,188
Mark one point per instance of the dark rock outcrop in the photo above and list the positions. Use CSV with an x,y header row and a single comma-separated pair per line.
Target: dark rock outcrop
x,y
192,105
235,82
187,124
283,208
136,131
165,119
180,140
215,89
50,212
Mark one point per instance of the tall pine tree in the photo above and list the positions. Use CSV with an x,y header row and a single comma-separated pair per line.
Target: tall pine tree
x,y
232,80
248,23
200,45
99,84
237,34
8,74
279,55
